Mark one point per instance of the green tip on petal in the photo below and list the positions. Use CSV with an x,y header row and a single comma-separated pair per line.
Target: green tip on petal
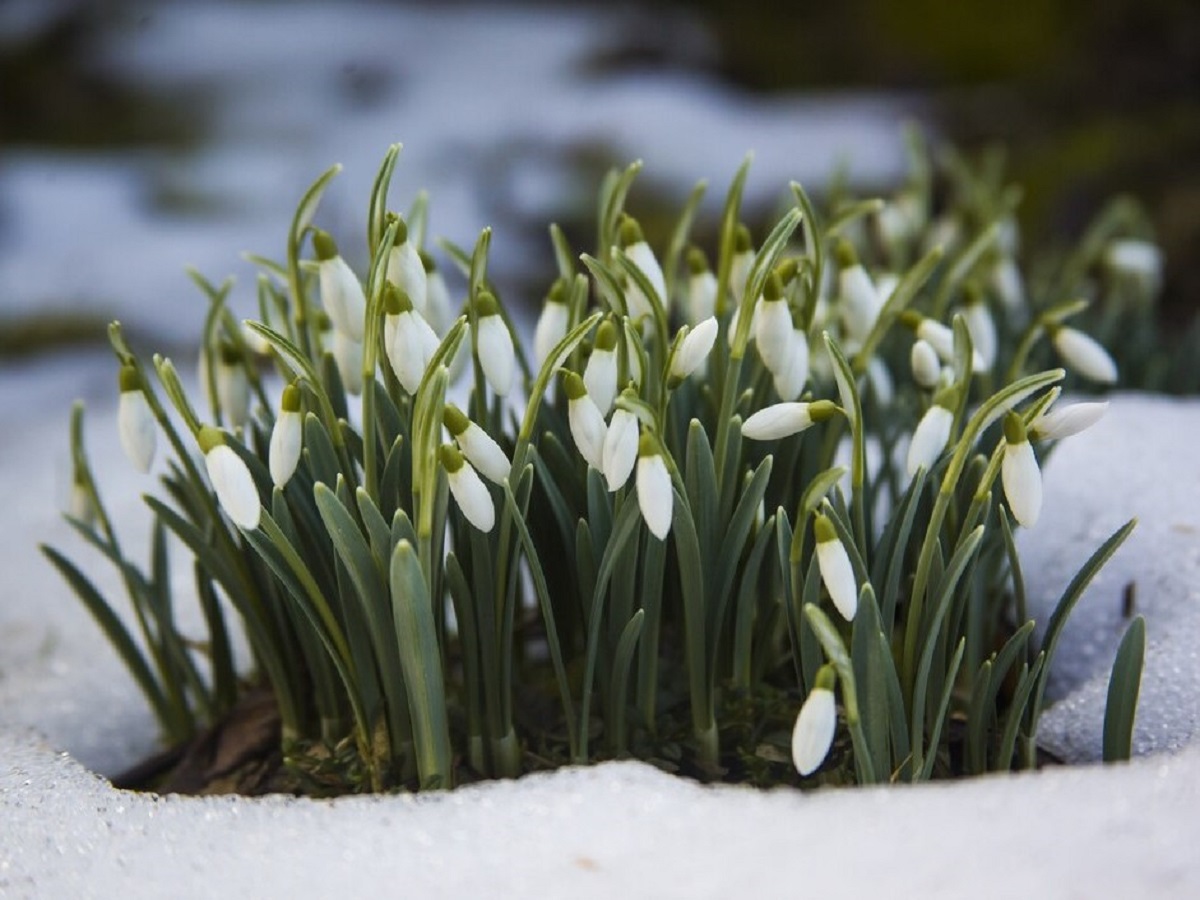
x,y
291,398
486,305
129,379
911,319
395,300
846,257
455,420
606,336
786,270
401,232
631,232
826,678
648,445
1014,429
946,398
558,292
209,437
823,410
972,293
427,262
742,243
451,458
230,354
574,385
324,245
697,262
823,529
773,290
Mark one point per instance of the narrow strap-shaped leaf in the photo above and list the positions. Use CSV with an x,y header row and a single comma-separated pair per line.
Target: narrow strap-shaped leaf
x,y
622,661
870,672
1124,685
935,735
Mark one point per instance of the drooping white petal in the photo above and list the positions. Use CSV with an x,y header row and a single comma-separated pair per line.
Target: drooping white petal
x,y
348,355
482,451
233,392
1022,481
438,305
79,504
1006,282
1135,259
929,439
777,421
407,272
234,486
551,328
136,429
838,576
941,338
620,448
813,733
860,302
655,497
408,351
600,378
982,329
926,367
879,377
1084,354
643,257
472,497
284,452
342,296
1061,423
702,296
496,354
739,272
587,429
789,384
773,333
694,348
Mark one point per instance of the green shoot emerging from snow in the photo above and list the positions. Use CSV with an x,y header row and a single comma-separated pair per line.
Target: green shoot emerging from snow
x,y
749,520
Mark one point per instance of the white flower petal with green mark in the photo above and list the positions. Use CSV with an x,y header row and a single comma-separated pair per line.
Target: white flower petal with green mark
x,y
482,451
836,571
407,272
655,497
929,439
620,448
813,733
234,486
588,430
136,429
1022,480
694,348
472,497
777,421
1083,354
600,378
496,354
1062,423
409,349
342,296
287,438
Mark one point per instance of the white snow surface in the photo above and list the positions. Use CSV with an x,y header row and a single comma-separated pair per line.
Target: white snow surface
x,y
1086,831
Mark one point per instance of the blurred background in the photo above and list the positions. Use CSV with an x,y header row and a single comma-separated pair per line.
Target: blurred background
x,y
138,137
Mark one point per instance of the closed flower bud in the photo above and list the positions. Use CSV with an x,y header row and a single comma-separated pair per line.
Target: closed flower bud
x,y
938,336
638,252
981,327
860,302
287,438
655,497
932,433
812,735
341,293
785,419
586,421
1061,423
468,490
1008,286
231,479
694,349
620,448
233,386
701,287
836,572
926,367
789,383
1084,354
1139,260
408,339
439,309
600,373
406,271
743,259
773,326
551,325
480,449
135,421
1019,473
495,346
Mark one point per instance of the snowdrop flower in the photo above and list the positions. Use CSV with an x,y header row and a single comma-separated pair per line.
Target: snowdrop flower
x,y
812,735
940,337
981,327
655,497
79,502
586,420
468,490
287,437
834,565
932,432
1019,472
926,367
231,479
233,385
785,419
638,252
773,325
600,373
1135,259
739,269
1083,353
135,422
341,294
255,341
495,345
693,350
348,356
408,339
439,308
551,325
480,449
406,271
620,448
1005,280
879,377
860,302
790,382
1057,424
701,287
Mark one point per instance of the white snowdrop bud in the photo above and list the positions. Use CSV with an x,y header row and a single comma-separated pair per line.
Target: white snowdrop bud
x,y
586,421
231,479
932,433
701,287
620,448
135,421
468,490
1139,260
638,252
348,356
834,564
785,419
694,349
789,383
812,735
879,377
981,327
1057,424
406,271
341,293
254,341
860,302
938,336
439,309
551,325
1083,353
495,346
926,367
655,498
233,385
1006,282
600,373
773,325
1019,472
287,437
408,339
79,502
739,268
480,449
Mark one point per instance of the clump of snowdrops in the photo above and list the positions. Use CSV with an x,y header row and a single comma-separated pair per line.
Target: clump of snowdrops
x,y
744,510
